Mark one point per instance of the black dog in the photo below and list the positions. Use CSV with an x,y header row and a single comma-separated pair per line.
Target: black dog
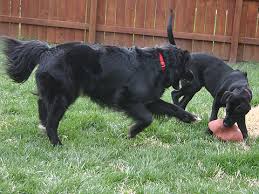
x,y
127,79
229,87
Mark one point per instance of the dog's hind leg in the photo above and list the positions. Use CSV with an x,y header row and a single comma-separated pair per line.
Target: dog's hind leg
x,y
185,100
56,110
187,92
43,113
161,107
176,95
141,115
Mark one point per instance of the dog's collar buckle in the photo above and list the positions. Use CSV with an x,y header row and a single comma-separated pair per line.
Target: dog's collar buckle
x,y
162,62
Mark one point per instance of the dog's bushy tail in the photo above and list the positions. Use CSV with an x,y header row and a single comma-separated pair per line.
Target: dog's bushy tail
x,y
22,57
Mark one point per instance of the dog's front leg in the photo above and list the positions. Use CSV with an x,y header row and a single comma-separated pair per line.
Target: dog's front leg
x,y
175,96
161,107
215,110
185,100
141,115
214,113
242,126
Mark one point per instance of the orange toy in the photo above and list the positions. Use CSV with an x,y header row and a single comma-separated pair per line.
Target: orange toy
x,y
225,133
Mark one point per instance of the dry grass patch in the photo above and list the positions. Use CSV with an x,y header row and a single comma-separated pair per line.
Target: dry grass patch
x,y
252,121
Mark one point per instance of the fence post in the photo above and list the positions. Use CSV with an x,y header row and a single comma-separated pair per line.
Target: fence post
x,y
236,30
92,23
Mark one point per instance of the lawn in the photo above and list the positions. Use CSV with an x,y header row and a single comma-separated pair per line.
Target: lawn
x,y
169,157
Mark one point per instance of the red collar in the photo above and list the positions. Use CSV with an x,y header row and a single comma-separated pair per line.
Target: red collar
x,y
162,62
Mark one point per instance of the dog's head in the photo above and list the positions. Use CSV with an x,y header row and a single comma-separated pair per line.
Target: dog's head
x,y
237,105
176,61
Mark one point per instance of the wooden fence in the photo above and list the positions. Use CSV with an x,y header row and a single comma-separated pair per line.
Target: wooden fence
x,y
226,28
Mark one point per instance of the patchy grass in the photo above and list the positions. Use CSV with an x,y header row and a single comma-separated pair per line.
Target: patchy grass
x,y
169,157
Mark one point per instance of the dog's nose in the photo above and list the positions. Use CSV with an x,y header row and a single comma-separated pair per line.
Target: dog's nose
x,y
227,123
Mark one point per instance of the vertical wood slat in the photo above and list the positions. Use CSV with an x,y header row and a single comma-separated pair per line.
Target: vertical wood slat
x,y
211,6
92,22
160,20
4,10
149,21
15,11
236,30
221,19
100,19
120,18
110,20
242,31
43,14
129,20
199,24
249,50
140,21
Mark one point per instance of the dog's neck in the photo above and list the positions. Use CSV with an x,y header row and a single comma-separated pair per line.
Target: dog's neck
x,y
162,62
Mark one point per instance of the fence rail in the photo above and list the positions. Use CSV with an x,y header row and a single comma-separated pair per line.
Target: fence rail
x,y
225,28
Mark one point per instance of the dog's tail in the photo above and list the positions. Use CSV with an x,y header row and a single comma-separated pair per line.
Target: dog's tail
x,y
170,34
22,57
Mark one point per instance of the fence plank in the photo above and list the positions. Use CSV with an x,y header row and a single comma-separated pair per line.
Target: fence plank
x,y
4,10
129,20
221,19
209,24
140,21
229,26
199,24
242,33
249,50
110,14
92,22
184,22
43,14
15,11
150,10
101,5
120,18
52,15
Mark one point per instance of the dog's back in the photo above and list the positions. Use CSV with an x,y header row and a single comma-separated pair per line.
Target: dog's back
x,y
209,70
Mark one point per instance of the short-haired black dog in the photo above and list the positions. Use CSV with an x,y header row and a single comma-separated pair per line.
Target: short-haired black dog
x,y
229,87
127,79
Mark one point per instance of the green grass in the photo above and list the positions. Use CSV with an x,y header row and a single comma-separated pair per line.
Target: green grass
x,y
169,157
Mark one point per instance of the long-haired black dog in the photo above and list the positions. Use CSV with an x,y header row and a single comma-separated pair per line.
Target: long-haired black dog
x,y
127,79
228,87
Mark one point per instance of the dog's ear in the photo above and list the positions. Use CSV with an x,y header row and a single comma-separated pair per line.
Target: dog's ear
x,y
186,56
226,96
245,73
249,94
188,75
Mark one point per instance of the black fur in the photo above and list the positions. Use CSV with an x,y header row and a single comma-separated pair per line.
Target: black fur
x,y
229,88
128,79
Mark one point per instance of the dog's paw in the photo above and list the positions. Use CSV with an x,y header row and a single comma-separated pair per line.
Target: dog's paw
x,y
209,132
42,128
56,143
188,117
131,135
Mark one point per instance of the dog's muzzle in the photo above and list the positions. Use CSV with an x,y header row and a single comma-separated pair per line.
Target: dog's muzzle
x,y
227,122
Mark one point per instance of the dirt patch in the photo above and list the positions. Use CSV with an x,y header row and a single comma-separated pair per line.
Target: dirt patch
x,y
252,122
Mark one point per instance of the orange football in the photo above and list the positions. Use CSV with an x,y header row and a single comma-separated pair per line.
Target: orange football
x,y
225,133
